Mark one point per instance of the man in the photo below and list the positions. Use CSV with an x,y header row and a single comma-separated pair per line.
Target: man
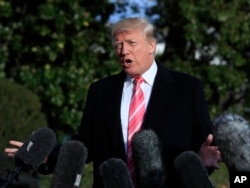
x,y
174,102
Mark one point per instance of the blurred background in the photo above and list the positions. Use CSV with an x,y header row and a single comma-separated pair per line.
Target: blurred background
x,y
51,50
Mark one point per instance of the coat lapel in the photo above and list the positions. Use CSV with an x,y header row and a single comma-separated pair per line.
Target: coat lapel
x,y
162,92
112,113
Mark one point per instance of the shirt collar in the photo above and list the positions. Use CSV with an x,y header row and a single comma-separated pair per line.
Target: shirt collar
x,y
149,76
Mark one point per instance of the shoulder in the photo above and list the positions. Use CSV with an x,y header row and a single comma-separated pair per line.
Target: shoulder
x,y
184,76
177,76
109,81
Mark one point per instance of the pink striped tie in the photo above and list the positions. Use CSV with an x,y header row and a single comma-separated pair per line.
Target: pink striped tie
x,y
136,114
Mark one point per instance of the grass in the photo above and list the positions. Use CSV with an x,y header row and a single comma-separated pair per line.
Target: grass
x,y
219,177
86,180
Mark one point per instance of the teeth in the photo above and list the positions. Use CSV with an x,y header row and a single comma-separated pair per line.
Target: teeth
x,y
128,61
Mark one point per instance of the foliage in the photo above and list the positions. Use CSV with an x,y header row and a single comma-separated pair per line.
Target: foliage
x,y
209,39
56,48
20,112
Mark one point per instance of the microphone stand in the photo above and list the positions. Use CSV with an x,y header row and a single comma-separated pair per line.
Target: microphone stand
x,y
11,176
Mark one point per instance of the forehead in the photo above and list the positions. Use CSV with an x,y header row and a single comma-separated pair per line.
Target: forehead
x,y
129,34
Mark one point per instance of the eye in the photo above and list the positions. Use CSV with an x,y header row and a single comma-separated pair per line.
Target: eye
x,y
118,45
132,43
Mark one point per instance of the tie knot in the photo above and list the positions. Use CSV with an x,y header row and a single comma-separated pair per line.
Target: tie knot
x,y
138,80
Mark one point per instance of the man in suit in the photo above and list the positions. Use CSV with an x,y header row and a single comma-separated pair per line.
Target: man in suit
x,y
175,105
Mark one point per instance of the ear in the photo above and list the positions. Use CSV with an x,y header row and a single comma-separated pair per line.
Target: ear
x,y
151,46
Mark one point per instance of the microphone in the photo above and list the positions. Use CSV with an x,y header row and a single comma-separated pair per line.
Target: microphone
x,y
70,165
148,160
232,135
191,171
32,153
114,173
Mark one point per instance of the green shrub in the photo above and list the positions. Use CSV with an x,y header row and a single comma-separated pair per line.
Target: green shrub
x,y
20,112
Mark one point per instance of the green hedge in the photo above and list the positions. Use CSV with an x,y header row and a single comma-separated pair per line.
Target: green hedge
x,y
20,112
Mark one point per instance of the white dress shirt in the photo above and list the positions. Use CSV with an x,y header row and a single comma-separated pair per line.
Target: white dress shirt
x,y
149,77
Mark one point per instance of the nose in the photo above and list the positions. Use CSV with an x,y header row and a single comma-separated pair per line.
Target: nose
x,y
124,49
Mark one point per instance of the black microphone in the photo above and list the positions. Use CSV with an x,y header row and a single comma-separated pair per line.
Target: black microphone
x,y
114,173
192,173
70,165
232,135
32,153
148,160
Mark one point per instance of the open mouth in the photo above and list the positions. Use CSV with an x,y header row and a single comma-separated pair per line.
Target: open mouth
x,y
126,63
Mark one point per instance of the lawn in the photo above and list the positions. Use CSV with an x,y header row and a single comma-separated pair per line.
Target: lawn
x,y
219,177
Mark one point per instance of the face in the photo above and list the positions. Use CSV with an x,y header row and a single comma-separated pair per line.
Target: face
x,y
135,53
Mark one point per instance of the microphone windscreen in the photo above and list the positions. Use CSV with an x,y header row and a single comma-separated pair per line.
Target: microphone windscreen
x,y
114,173
192,173
34,151
232,135
148,160
70,165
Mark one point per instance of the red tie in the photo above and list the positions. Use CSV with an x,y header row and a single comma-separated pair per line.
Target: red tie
x,y
136,114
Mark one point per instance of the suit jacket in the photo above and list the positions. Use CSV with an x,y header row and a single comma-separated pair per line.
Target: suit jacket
x,y
177,112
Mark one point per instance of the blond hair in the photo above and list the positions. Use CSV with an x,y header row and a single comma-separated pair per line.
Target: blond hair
x,y
129,24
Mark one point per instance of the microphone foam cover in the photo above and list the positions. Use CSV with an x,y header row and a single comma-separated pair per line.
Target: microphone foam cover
x,y
114,173
70,165
34,151
191,171
148,161
232,135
